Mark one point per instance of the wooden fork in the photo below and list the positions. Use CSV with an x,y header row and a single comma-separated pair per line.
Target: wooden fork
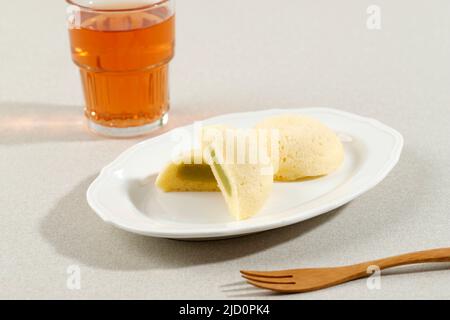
x,y
302,280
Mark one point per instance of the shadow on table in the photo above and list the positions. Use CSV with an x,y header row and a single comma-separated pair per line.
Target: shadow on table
x,y
27,123
75,231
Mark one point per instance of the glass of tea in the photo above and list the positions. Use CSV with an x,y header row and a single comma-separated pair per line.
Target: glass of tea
x,y
123,49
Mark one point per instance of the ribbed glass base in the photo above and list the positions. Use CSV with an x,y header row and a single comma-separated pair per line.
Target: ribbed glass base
x,y
127,132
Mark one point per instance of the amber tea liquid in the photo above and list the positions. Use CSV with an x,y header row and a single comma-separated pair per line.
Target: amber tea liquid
x,y
123,59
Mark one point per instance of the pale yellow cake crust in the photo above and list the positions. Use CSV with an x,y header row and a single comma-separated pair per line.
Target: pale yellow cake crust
x,y
308,148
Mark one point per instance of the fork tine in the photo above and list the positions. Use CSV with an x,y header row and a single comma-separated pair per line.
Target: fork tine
x,y
267,274
269,280
286,288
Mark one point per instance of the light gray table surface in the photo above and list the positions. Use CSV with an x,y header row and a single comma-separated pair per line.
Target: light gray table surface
x,y
231,56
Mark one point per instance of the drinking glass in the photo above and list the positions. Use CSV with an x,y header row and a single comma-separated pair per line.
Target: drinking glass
x,y
123,49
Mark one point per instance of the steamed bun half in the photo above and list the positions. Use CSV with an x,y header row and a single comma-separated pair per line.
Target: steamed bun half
x,y
308,148
245,185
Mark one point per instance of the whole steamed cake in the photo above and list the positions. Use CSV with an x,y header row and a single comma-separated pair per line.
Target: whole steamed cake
x,y
308,148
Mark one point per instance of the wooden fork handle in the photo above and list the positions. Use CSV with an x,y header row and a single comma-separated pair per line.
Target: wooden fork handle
x,y
434,255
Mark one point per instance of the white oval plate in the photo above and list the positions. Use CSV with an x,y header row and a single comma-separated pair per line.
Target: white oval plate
x,y
124,193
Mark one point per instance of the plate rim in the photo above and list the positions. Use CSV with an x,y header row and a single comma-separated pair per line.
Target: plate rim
x,y
390,163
